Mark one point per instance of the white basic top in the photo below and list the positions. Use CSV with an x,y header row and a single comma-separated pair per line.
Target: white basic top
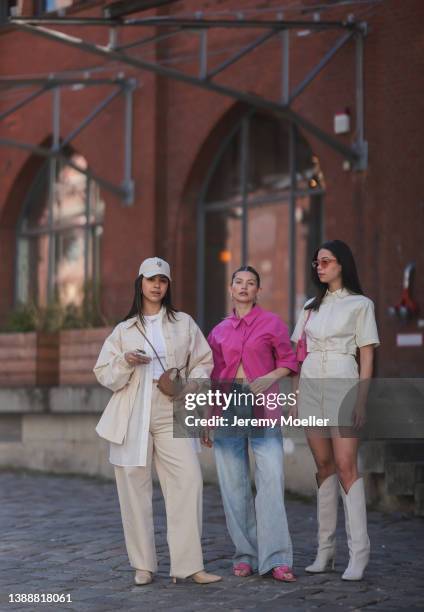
x,y
344,322
130,453
154,333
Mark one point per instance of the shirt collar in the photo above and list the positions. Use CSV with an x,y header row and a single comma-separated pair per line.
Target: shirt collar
x,y
133,320
339,293
248,319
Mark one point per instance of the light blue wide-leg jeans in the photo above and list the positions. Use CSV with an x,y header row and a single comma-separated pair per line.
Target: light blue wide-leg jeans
x,y
257,526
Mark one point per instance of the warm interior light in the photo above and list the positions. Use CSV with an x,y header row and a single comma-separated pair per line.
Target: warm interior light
x,y
224,256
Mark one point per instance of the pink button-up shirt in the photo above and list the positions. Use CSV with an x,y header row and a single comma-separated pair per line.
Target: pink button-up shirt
x,y
259,340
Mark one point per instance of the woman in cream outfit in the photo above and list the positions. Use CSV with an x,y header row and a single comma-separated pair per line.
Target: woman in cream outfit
x,y
138,423
339,323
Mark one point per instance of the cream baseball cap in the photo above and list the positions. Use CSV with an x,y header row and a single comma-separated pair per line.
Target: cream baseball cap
x,y
155,265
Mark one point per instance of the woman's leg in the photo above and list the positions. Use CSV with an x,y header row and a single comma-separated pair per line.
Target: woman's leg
x,y
345,452
232,464
134,486
180,478
320,443
327,498
274,542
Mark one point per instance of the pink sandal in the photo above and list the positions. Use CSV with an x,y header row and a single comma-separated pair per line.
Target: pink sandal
x,y
283,573
242,570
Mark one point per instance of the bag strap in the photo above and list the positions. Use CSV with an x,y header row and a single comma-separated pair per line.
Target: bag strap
x,y
155,352
306,322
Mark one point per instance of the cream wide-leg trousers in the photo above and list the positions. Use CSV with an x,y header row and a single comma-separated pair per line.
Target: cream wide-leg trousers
x,y
181,482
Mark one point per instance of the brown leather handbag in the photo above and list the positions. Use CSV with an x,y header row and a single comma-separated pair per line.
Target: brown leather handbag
x,y
170,382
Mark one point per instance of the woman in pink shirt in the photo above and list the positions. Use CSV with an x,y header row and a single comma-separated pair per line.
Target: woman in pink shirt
x,y
252,352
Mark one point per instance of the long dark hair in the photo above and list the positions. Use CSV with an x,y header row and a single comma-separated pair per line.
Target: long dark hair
x,y
350,279
136,308
247,269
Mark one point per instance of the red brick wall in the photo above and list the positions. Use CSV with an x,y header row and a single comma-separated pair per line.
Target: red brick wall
x,y
380,212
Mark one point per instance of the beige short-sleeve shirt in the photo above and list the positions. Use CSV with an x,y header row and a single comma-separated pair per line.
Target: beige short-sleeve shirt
x,y
344,322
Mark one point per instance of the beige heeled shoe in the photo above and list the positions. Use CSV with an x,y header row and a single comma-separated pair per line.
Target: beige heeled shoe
x,y
143,577
201,577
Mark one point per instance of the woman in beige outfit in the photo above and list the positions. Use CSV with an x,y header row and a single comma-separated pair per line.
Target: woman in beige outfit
x,y
138,423
339,324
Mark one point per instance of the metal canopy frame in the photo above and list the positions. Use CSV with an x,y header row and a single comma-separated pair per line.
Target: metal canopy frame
x,y
356,154
121,87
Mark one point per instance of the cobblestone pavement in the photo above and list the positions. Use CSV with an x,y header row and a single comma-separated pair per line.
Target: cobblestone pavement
x,y
64,535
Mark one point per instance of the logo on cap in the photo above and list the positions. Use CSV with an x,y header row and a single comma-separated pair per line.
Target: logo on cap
x,y
159,263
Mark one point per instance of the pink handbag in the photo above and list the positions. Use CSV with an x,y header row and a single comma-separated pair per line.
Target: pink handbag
x,y
301,347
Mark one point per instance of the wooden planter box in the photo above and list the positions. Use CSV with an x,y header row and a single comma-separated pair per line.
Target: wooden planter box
x,y
29,359
79,349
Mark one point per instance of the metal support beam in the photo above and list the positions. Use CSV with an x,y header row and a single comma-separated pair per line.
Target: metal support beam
x,y
55,148
251,99
22,103
141,42
361,145
244,189
285,65
128,184
191,24
49,83
234,58
321,64
203,54
292,225
43,152
90,117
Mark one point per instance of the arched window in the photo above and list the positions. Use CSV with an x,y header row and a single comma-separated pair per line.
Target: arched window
x,y
59,234
262,169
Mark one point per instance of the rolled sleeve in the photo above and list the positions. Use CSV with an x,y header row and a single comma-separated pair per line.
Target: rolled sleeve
x,y
218,358
201,360
283,353
112,369
366,326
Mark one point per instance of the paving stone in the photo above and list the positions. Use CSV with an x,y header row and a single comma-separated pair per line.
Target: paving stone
x,y
64,535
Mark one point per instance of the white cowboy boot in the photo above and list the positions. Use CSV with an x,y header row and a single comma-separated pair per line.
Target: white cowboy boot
x,y
327,502
356,530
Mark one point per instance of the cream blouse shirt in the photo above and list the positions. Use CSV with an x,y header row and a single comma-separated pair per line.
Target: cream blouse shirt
x,y
343,323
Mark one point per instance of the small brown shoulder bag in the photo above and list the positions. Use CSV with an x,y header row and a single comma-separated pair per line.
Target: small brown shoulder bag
x,y
170,382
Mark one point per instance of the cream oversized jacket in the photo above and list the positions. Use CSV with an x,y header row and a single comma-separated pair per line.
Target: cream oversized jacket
x,y
182,337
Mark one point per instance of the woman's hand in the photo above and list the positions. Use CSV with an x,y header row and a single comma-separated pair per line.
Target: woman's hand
x,y
205,439
293,411
261,384
359,416
134,358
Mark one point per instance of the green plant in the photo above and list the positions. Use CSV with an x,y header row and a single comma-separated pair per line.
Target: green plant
x,y
23,319
56,316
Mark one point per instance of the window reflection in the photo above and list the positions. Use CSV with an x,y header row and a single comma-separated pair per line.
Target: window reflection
x,y
59,236
263,174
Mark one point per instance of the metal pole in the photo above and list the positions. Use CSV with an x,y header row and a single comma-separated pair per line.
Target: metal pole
x,y
200,264
292,225
244,188
285,75
203,54
361,144
52,182
128,183
87,230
